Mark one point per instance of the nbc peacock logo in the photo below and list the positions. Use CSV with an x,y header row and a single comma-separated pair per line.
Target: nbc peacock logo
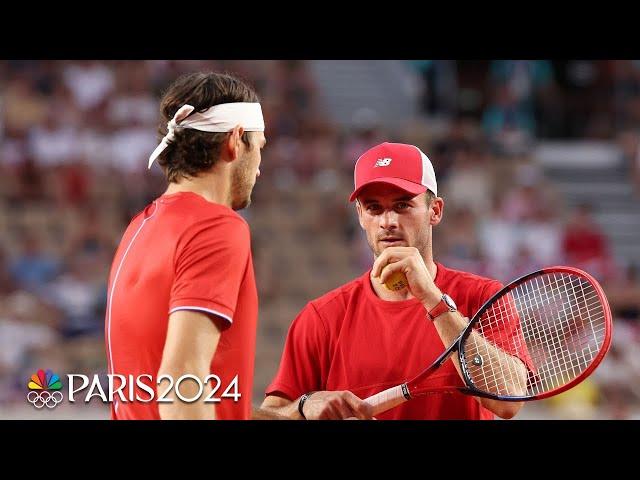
x,y
44,389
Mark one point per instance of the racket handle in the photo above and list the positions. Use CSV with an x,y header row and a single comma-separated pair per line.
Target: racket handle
x,y
386,400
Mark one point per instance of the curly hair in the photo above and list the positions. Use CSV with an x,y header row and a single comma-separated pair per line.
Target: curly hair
x,y
193,151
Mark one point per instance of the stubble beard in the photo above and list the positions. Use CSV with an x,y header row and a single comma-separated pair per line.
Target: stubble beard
x,y
241,186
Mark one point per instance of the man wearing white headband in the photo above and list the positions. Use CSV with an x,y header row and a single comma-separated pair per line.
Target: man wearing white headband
x,y
182,297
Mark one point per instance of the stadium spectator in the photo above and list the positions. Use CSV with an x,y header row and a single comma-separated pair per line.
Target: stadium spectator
x,y
33,267
585,245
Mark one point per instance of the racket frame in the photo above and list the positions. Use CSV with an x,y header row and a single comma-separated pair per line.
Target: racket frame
x,y
411,391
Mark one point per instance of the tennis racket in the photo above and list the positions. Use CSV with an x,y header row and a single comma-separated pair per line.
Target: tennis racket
x,y
537,337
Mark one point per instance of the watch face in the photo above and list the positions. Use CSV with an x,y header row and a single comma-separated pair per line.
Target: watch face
x,y
449,301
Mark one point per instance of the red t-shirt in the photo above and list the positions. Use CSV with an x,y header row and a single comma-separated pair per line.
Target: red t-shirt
x,y
182,252
351,339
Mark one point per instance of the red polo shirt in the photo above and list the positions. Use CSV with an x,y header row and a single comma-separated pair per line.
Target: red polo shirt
x,y
182,252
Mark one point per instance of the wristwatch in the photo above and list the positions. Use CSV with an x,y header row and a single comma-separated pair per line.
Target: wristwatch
x,y
446,304
303,399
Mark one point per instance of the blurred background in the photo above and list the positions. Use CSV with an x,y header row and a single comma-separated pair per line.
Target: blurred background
x,y
538,163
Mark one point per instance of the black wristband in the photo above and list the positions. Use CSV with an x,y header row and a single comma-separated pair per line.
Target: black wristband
x,y
303,399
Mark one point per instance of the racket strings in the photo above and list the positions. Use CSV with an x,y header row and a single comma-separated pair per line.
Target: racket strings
x,y
553,323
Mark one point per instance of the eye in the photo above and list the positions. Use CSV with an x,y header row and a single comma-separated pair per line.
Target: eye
x,y
373,208
402,206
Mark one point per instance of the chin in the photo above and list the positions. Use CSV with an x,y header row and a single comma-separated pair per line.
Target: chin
x,y
243,204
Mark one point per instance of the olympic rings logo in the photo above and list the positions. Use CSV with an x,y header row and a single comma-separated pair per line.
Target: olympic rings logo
x,y
40,399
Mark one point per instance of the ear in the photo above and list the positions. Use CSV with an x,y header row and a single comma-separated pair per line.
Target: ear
x,y
436,210
359,210
233,144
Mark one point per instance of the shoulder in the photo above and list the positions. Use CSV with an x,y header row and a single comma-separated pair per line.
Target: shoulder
x,y
189,209
338,298
211,220
469,290
331,307
201,225
325,314
460,279
198,210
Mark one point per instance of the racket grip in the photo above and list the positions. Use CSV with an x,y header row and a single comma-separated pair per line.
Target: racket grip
x,y
386,400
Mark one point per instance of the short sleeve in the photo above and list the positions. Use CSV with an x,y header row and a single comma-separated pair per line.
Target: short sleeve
x,y
304,358
490,289
210,265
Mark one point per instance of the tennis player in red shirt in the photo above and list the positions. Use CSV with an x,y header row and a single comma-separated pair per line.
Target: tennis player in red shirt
x,y
182,296
362,338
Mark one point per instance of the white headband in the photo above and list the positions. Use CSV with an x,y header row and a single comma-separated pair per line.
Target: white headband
x,y
219,118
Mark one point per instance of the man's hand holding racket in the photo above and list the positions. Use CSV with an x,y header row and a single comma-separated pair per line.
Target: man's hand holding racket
x,y
336,406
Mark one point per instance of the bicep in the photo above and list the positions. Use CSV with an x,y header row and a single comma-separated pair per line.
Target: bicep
x,y
191,342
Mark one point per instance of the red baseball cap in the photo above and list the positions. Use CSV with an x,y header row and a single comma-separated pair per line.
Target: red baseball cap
x,y
404,166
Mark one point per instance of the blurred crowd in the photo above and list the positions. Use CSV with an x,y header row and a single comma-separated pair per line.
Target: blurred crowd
x,y
76,136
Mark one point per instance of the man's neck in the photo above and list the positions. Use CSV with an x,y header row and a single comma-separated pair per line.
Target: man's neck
x,y
404,294
212,186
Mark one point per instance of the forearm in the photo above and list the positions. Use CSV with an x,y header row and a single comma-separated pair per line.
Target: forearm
x,y
493,370
449,326
268,414
279,408
499,373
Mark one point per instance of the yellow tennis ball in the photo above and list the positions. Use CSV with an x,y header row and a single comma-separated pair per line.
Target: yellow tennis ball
x,y
397,281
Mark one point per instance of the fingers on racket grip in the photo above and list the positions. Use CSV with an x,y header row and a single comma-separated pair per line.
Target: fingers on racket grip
x,y
386,400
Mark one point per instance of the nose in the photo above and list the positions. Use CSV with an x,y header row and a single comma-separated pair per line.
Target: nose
x,y
389,220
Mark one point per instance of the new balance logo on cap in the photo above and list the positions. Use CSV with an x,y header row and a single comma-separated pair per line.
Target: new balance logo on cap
x,y
383,162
